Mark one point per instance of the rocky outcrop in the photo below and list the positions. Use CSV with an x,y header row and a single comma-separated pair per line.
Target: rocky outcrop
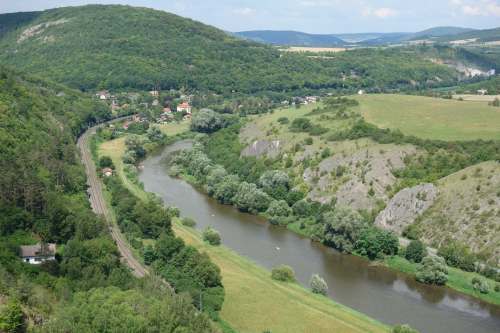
x,y
263,147
406,206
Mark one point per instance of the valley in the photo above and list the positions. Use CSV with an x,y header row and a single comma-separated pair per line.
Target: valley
x,y
159,174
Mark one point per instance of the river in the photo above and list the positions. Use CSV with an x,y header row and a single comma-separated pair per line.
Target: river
x,y
379,292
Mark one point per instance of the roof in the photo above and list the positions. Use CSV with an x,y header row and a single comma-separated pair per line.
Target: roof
x,y
36,250
184,105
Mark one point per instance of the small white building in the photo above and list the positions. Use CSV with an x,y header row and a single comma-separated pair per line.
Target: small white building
x,y
184,107
361,92
154,93
482,92
36,254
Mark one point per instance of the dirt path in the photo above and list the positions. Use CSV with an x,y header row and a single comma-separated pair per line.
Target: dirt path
x,y
100,207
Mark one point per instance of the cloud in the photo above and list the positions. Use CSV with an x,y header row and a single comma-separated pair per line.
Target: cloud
x,y
383,13
245,11
477,8
318,3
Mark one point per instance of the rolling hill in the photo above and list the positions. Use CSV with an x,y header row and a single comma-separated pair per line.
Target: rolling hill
x,y
121,47
294,38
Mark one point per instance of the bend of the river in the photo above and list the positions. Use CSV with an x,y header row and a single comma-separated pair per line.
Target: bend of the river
x,y
379,292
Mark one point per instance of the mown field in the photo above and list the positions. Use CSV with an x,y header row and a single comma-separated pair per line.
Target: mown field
x,y
254,302
432,118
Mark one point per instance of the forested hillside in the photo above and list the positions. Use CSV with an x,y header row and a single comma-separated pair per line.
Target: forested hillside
x,y
43,199
119,47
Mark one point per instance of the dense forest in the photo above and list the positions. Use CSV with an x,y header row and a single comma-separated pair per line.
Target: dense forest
x,y
43,199
119,47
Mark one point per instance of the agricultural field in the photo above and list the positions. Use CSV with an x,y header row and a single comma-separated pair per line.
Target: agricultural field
x,y
432,118
313,49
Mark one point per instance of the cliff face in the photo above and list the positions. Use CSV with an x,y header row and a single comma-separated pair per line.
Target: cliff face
x,y
404,208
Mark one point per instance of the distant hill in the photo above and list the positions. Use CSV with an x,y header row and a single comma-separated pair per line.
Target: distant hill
x,y
295,38
13,21
292,38
487,35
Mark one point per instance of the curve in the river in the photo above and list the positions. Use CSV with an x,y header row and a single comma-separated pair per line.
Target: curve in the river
x,y
379,292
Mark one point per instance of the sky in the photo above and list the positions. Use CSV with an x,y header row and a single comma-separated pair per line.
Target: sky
x,y
313,16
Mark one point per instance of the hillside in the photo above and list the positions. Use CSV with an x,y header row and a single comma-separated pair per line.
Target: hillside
x,y
439,32
486,35
120,47
292,38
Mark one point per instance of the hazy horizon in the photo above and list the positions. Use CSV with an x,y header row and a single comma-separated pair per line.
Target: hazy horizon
x,y
310,16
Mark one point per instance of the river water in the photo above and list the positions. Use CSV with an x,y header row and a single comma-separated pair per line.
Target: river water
x,y
379,292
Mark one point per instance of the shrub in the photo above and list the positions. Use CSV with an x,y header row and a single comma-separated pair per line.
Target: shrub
x,y
188,222
251,199
278,208
403,329
318,285
480,285
458,255
283,273
375,243
497,288
283,120
341,229
433,270
308,141
211,236
106,162
415,251
207,121
12,318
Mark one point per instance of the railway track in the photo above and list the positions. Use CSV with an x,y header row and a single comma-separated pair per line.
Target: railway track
x,y
100,207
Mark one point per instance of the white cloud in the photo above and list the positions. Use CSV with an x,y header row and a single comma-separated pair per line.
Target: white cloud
x,y
318,3
477,7
382,13
245,11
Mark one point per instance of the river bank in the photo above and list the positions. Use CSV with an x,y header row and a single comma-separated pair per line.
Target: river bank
x,y
254,302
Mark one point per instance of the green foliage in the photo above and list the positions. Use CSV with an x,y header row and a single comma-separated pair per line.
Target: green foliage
x,y
283,273
211,236
12,317
132,311
415,251
375,243
341,229
188,222
458,255
480,285
318,285
433,270
207,121
305,125
106,162
278,208
251,199
283,120
403,329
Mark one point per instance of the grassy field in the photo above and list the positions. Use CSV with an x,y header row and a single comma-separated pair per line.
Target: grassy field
x,y
255,303
432,118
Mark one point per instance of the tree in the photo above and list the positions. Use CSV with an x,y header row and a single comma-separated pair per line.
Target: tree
x,y
278,208
318,285
12,318
276,183
403,329
211,236
283,273
433,270
154,134
480,285
375,243
227,189
106,162
149,254
415,251
250,198
207,121
188,222
341,229
458,255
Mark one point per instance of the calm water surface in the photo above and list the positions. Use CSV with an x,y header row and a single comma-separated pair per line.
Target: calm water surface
x,y
388,296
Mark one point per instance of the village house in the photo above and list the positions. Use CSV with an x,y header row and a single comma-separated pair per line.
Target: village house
x,y
482,92
154,93
36,254
184,107
103,95
312,99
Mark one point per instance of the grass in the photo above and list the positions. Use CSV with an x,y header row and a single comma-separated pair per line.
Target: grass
x,y
172,129
432,118
255,303
457,279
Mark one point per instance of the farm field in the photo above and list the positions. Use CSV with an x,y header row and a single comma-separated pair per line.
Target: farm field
x,y
432,118
477,98
313,49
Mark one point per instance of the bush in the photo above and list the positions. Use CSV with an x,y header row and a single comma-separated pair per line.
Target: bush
x,y
283,120
375,243
415,251
341,229
207,121
106,162
12,318
318,285
403,329
458,255
211,236
433,270
278,208
497,288
480,285
283,273
188,222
